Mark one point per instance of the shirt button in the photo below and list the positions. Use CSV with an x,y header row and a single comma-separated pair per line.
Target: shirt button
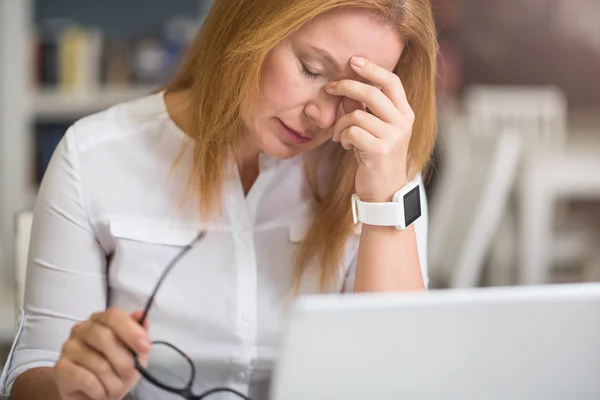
x,y
244,234
241,376
247,316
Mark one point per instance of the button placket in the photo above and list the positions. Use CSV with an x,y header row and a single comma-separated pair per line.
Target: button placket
x,y
242,214
248,316
244,234
245,265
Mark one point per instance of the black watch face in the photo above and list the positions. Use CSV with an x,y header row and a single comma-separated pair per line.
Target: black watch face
x,y
412,206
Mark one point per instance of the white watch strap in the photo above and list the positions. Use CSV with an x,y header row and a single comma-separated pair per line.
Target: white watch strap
x,y
380,214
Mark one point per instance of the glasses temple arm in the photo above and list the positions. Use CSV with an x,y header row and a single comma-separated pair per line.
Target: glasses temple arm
x,y
166,271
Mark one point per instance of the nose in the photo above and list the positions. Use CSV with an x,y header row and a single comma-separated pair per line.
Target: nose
x,y
323,109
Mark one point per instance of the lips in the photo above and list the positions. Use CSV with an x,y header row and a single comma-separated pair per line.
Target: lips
x,y
294,136
299,133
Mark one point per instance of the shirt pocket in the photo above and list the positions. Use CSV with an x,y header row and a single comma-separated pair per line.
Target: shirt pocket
x,y
142,252
311,278
298,229
156,233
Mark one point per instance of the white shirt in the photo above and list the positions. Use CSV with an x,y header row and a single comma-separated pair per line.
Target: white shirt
x,y
110,216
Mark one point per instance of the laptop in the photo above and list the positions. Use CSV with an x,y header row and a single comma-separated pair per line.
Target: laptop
x,y
538,342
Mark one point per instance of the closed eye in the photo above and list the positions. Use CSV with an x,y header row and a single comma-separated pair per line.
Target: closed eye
x,y
308,73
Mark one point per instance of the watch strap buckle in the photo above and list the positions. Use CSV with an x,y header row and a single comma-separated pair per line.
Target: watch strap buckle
x,y
355,208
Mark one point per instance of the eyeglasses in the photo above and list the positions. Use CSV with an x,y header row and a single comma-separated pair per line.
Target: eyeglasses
x,y
175,371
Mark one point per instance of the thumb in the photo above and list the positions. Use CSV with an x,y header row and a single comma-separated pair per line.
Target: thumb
x,y
137,316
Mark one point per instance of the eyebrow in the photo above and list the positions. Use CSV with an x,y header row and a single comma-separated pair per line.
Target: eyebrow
x,y
330,60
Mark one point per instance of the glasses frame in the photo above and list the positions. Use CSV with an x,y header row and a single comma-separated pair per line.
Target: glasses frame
x,y
185,392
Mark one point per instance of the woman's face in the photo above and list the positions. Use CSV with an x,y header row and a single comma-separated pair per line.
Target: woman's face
x,y
293,113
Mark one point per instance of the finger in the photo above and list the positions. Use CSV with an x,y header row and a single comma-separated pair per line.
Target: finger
x,y
94,362
362,119
103,340
389,82
127,329
351,105
347,145
373,98
137,316
357,138
78,379
79,396
357,155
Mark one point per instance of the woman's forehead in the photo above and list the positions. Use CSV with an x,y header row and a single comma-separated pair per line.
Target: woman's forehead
x,y
349,32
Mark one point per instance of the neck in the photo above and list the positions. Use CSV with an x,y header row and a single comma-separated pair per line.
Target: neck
x,y
246,158
246,155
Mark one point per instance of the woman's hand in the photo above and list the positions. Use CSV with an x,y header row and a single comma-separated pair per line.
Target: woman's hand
x,y
380,137
96,362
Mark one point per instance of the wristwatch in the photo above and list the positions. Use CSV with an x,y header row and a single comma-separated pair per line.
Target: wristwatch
x,y
401,212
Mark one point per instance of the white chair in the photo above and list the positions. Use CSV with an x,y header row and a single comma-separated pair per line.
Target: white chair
x,y
552,170
453,144
548,180
538,113
23,222
474,187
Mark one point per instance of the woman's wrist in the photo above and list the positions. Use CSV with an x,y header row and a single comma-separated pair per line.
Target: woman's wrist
x,y
385,195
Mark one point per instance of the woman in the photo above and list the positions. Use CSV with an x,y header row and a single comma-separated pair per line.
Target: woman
x,y
285,109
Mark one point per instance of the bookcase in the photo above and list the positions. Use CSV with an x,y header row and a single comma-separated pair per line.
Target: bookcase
x,y
62,60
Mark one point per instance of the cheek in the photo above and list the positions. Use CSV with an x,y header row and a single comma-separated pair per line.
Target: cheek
x,y
282,86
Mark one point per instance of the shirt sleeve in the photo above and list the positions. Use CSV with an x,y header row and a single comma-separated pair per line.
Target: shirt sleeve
x,y
421,230
66,269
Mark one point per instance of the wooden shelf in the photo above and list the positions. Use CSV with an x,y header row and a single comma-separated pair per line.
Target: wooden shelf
x,y
57,105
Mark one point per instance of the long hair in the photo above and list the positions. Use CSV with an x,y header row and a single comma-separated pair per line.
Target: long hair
x,y
222,70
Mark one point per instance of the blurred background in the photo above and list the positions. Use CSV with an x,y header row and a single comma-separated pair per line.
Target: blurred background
x,y
515,183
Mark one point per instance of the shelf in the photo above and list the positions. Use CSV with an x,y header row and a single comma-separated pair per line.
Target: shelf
x,y
57,105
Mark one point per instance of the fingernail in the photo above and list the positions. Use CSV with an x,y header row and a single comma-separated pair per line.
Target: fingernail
x,y
144,343
330,85
358,62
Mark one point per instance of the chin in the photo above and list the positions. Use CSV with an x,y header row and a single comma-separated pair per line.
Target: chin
x,y
280,150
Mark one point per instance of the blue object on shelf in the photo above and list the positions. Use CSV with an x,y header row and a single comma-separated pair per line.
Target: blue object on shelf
x,y
47,138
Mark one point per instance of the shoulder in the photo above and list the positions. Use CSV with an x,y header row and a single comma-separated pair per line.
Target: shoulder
x,y
119,124
123,153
